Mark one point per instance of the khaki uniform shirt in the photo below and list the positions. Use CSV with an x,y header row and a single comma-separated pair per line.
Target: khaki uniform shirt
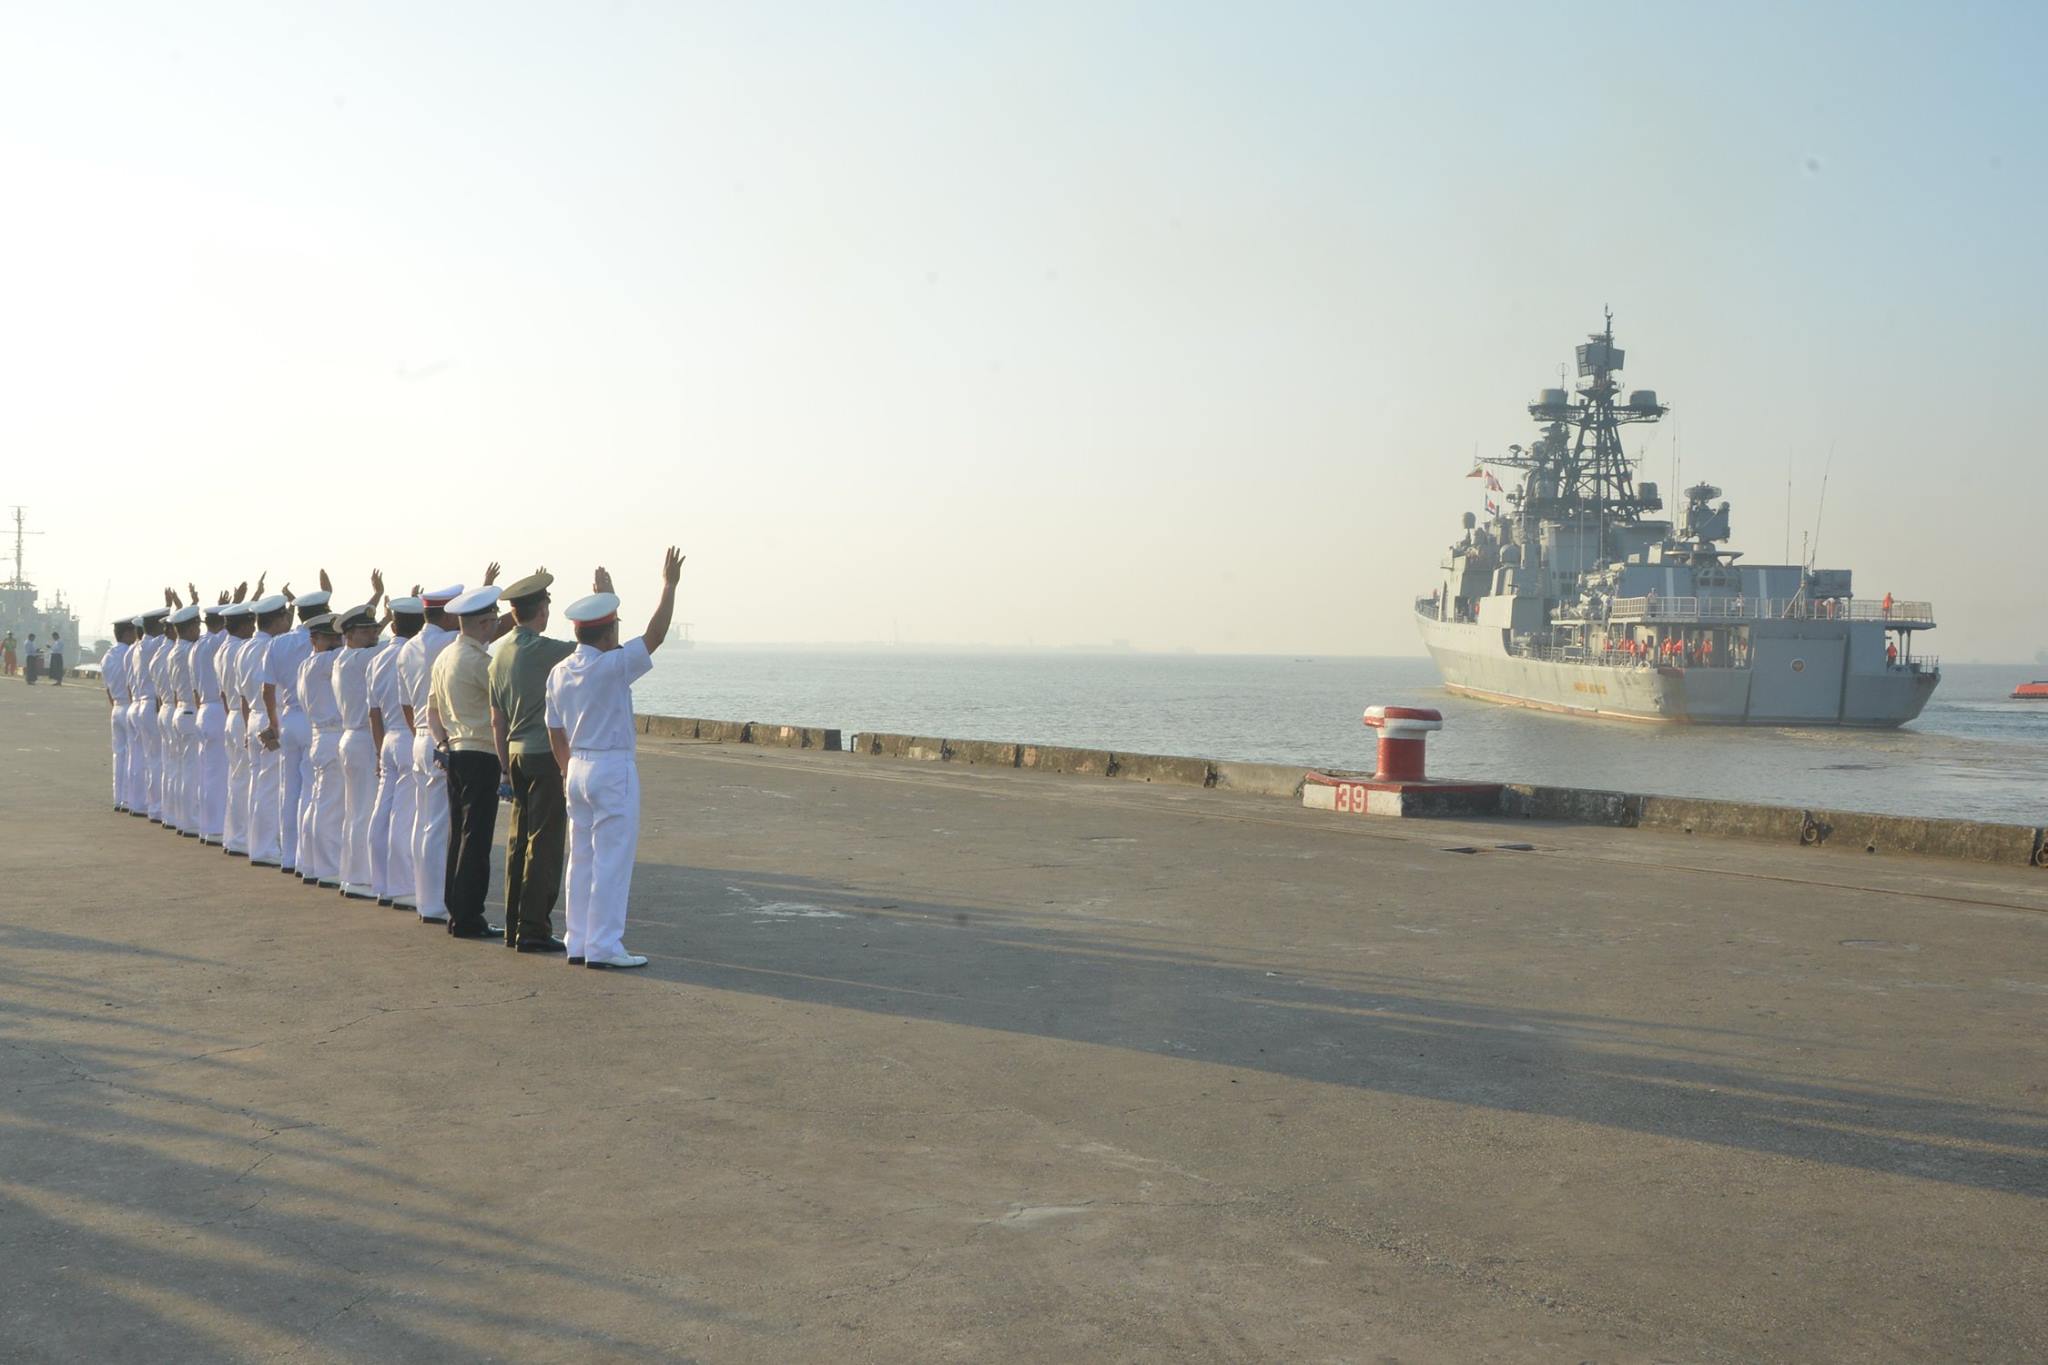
x,y
519,686
460,694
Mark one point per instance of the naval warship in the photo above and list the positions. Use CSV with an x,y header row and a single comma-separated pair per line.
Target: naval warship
x,y
1574,594
22,613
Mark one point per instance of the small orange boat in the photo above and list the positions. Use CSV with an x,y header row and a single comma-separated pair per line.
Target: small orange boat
x,y
2033,691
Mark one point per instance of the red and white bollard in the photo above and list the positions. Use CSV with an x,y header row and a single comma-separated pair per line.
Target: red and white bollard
x,y
1401,738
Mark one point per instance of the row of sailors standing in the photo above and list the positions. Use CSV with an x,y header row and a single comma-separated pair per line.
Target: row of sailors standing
x,y
357,763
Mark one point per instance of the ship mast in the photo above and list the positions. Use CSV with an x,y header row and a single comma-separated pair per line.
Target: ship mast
x,y
19,579
1581,468
1598,473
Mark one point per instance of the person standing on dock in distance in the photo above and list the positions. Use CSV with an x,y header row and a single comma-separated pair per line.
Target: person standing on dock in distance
x,y
114,678
590,728
288,650
519,694
32,667
459,715
415,666
391,818
10,649
266,719
359,630
320,800
241,734
57,654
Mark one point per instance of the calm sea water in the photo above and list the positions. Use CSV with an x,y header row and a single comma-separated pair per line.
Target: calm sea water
x,y
1972,754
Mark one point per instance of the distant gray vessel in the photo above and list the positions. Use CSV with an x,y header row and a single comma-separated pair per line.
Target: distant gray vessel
x,y
1572,596
22,613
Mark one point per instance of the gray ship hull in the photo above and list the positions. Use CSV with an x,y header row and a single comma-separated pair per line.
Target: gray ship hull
x,y
1810,673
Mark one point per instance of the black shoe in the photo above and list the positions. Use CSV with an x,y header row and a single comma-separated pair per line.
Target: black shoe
x,y
384,901
289,871
542,945
477,930
187,834
575,961
234,853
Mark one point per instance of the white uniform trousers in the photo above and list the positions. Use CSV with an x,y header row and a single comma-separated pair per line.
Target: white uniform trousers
x,y
167,762
603,790
322,806
294,737
391,819
212,742
142,734
429,829
234,832
117,731
188,769
358,763
266,785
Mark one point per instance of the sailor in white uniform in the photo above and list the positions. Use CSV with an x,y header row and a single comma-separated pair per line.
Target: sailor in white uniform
x,y
210,734
294,733
182,814
321,798
359,628
266,745
241,624
391,819
114,678
431,816
590,727
143,729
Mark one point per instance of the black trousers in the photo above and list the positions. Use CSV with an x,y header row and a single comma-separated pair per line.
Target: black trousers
x,y
533,847
472,820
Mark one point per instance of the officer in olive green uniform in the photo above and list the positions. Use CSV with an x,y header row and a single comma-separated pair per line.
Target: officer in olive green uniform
x,y
533,847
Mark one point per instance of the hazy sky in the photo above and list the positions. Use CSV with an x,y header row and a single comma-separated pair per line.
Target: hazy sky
x,y
1034,323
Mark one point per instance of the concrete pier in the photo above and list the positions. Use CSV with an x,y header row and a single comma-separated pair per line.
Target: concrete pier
x,y
964,1061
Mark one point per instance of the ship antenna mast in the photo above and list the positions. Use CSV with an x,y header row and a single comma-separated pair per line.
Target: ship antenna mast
x,y
20,579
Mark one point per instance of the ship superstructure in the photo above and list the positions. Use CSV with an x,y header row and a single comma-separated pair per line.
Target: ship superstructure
x,y
1575,594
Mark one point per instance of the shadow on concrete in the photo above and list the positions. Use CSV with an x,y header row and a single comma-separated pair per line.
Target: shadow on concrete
x,y
800,939
141,1219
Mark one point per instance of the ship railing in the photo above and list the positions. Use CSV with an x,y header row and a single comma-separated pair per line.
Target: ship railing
x,y
1906,615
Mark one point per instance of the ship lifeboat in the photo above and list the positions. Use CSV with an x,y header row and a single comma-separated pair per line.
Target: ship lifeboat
x,y
2032,691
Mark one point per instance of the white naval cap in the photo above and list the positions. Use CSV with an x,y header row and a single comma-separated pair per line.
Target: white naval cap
x,y
476,600
408,606
156,613
234,609
136,622
273,602
441,597
313,601
323,624
184,614
355,618
593,610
